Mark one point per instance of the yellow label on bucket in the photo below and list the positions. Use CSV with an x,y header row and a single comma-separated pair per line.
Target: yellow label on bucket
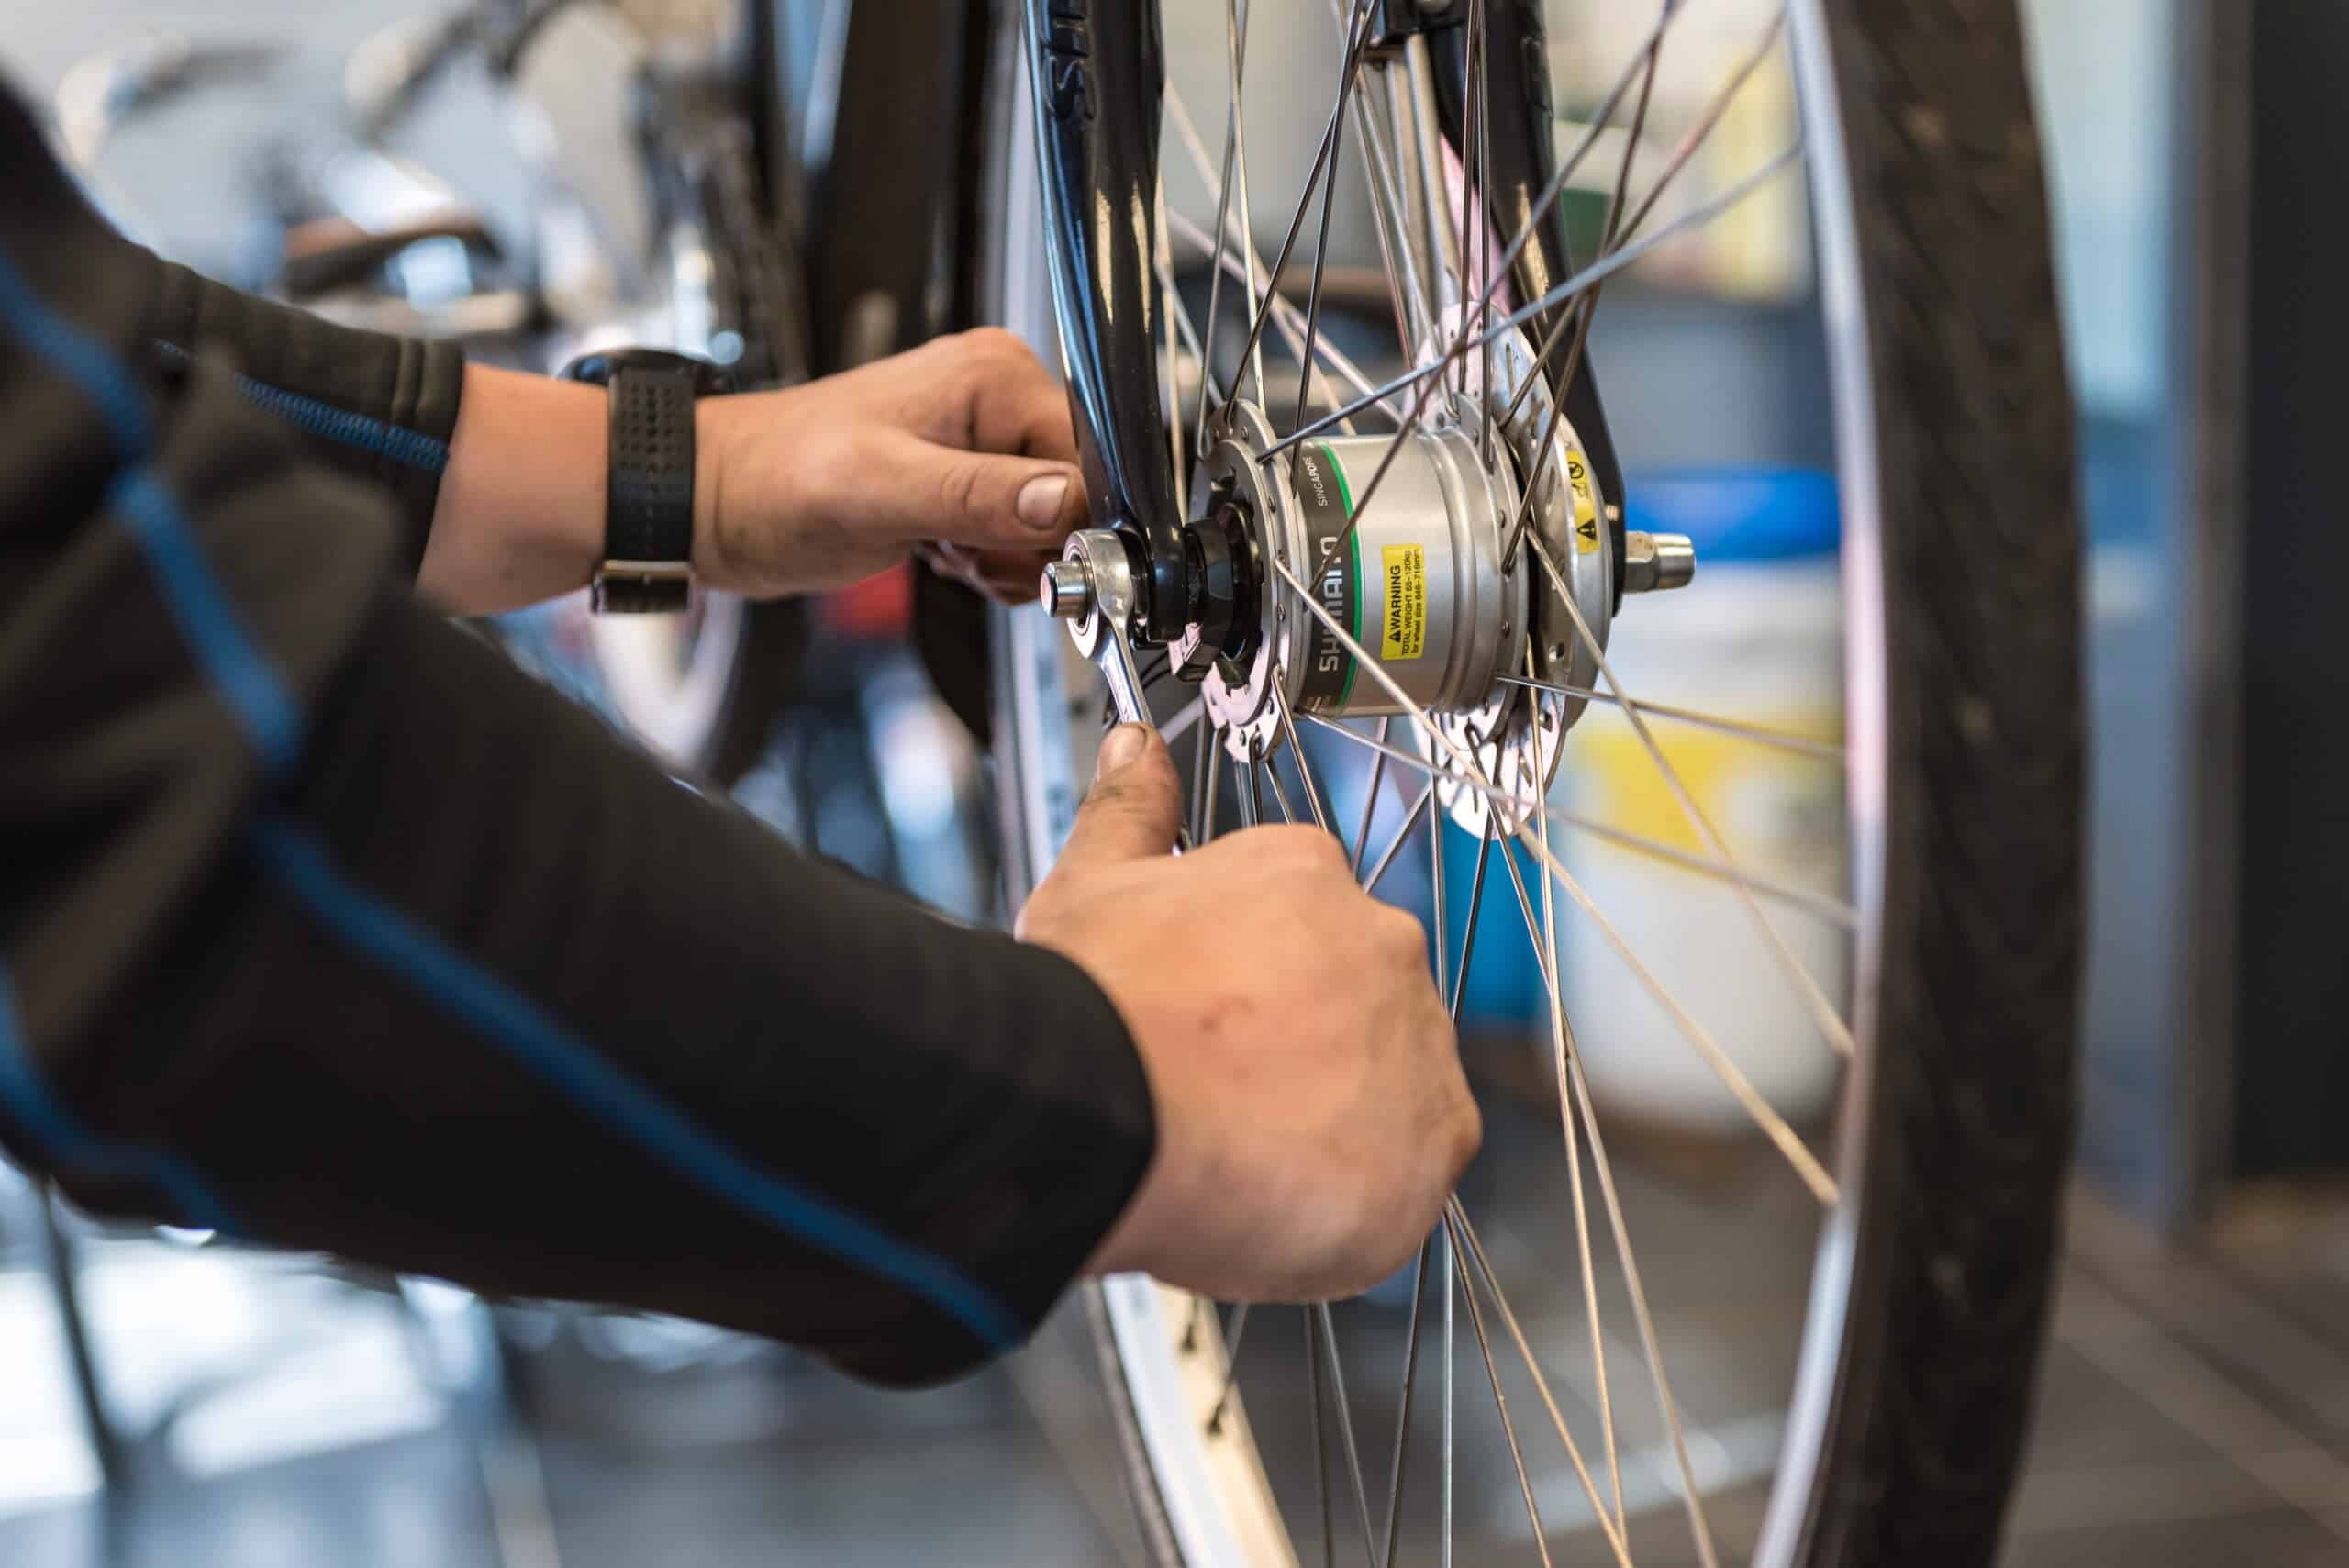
x,y
1403,631
1585,505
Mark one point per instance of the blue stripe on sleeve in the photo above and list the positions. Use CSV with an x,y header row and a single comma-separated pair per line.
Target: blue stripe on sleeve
x,y
242,674
71,1146
323,419
79,357
209,622
526,1032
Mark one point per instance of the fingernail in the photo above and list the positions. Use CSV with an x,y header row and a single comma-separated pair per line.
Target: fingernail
x,y
1040,501
1120,746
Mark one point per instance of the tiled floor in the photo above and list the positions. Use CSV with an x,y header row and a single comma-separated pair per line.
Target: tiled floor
x,y
2190,1414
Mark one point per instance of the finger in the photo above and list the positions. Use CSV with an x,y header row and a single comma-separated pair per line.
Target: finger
x,y
1008,577
1011,403
1008,574
1009,591
1135,806
943,565
922,490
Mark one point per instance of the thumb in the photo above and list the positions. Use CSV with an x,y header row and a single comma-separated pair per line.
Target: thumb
x,y
983,498
1135,806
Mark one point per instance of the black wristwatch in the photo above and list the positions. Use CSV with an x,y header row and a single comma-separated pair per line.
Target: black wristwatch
x,y
649,493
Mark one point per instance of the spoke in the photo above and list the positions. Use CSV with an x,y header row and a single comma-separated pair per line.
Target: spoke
x,y
1235,39
1476,907
1468,187
1806,1164
1252,799
1211,758
1370,804
1403,1417
1383,184
1411,818
1457,1216
1457,1220
1451,1276
1765,1117
1562,1046
1703,129
1785,740
1610,236
1285,315
1819,906
1570,1060
1323,161
1509,1427
1414,328
1429,376
1169,224
1822,1011
1172,730
1346,1432
1230,1367
1435,901
1313,307
1480,36
1205,768
1179,313
1415,116
1222,185
1321,243
1170,302
1313,1329
1297,749
1618,229
1270,769
1605,267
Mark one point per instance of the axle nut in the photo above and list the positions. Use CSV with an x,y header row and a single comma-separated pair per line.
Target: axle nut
x,y
1655,562
1066,590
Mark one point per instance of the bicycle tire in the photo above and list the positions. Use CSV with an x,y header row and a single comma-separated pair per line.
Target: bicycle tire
x,y
1910,1424
711,178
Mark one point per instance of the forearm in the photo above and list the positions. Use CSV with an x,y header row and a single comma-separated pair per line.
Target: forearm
x,y
325,924
520,515
375,407
577,1033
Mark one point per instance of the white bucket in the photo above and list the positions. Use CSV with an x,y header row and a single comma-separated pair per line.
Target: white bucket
x,y
1756,639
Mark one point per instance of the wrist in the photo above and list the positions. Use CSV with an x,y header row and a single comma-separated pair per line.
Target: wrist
x,y
520,513
712,419
1170,1198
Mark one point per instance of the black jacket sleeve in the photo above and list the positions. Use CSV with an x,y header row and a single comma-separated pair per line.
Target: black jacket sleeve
x,y
377,408
323,926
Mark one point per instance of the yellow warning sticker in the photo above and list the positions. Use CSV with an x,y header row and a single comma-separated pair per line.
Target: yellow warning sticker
x,y
1403,634
1585,505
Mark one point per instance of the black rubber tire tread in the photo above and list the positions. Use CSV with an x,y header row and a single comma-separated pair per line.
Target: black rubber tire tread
x,y
1973,1094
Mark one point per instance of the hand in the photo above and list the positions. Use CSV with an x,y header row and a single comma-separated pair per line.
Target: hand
x,y
961,449
1312,1115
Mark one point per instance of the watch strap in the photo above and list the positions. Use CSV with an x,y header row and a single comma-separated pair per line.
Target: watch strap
x,y
649,509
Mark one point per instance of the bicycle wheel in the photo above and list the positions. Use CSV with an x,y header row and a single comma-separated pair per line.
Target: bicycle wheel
x,y
1473,521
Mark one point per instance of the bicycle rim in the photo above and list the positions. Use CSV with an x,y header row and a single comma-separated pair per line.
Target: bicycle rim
x,y
1909,1391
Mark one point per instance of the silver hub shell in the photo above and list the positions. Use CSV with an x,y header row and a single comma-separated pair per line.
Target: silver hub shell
x,y
1514,739
1418,583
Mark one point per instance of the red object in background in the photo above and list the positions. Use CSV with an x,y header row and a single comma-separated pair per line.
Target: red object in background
x,y
879,609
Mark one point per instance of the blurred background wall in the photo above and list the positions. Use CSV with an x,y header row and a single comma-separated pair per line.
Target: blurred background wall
x,y
2214,1009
